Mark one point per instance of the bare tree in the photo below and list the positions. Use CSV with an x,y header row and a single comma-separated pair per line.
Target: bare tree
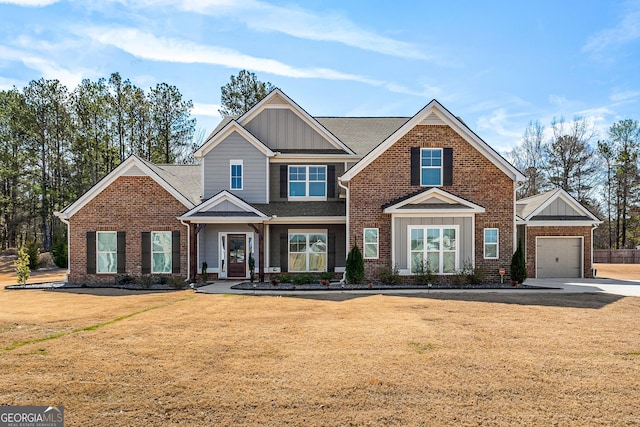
x,y
529,156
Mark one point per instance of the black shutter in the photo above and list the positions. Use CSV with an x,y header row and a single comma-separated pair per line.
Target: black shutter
x,y
91,252
415,165
175,252
146,252
284,251
122,252
331,251
331,181
447,166
284,170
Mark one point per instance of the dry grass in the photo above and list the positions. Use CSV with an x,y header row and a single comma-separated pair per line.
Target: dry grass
x,y
193,359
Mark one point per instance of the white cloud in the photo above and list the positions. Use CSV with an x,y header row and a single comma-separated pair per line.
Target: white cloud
x,y
499,123
147,46
627,30
296,22
49,69
8,83
624,96
29,3
201,109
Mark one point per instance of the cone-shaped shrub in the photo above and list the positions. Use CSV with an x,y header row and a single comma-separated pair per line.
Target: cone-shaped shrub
x,y
354,267
518,265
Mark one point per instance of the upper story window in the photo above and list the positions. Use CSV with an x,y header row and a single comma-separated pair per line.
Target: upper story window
x,y
235,168
308,182
431,166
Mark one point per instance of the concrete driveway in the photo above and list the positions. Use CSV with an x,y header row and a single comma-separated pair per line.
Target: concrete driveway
x,y
610,286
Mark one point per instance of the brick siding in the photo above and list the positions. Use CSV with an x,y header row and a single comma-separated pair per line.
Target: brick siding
x,y
132,204
533,232
475,179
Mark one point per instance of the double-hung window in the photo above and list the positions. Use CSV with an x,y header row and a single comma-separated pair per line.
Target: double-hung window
x,y
491,243
161,246
107,251
308,251
235,170
434,248
308,182
431,166
371,243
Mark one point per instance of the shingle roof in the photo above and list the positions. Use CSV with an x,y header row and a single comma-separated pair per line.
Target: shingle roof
x,y
362,134
524,207
295,209
185,179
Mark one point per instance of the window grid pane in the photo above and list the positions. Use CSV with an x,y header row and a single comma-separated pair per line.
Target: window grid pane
x,y
161,252
107,251
236,177
308,252
431,164
439,254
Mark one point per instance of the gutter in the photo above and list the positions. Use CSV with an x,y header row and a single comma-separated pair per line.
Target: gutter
x,y
62,217
346,188
186,224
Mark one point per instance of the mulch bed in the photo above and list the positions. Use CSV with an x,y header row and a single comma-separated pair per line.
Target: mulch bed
x,y
337,286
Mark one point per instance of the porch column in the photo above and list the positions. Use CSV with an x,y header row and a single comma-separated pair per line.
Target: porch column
x,y
193,252
259,229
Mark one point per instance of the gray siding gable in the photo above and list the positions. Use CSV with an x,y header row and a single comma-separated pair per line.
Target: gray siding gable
x,y
559,208
254,169
282,129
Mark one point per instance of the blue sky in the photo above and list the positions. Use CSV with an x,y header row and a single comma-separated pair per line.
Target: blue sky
x,y
496,64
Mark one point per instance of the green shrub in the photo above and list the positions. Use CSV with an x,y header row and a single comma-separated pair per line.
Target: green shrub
x,y
284,278
423,274
327,275
163,280
60,253
303,279
22,266
146,281
354,268
389,275
177,282
123,279
33,249
518,265
252,268
204,274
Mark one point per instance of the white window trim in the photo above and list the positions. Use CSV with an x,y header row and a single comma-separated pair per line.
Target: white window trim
x,y
170,252
233,163
307,233
377,243
99,252
441,167
497,243
306,196
441,251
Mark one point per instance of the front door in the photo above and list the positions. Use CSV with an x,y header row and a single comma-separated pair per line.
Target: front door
x,y
236,251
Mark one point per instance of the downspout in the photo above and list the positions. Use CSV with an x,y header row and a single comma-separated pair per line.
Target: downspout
x,y
515,225
186,224
346,189
66,221
593,270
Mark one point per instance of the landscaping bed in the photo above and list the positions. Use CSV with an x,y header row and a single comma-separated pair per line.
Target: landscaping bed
x,y
337,286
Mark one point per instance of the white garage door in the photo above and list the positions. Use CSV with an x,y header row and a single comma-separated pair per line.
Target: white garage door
x,y
559,257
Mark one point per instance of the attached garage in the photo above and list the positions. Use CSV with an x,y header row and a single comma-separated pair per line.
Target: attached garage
x,y
557,233
559,257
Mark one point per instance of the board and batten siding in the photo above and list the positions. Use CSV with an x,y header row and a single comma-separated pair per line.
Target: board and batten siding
x,y
209,242
559,208
401,243
254,169
282,129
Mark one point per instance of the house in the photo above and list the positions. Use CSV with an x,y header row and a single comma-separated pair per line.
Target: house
x,y
293,193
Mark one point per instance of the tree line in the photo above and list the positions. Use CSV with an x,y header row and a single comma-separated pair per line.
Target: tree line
x,y
56,143
602,174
